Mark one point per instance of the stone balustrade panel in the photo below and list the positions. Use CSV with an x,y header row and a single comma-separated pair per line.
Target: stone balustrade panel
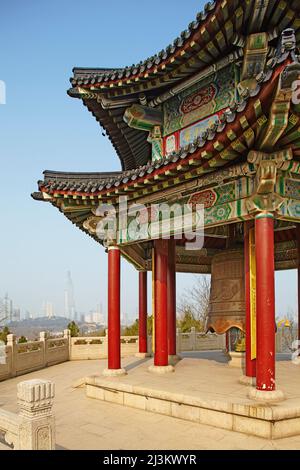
x,y
18,359
5,362
56,351
28,357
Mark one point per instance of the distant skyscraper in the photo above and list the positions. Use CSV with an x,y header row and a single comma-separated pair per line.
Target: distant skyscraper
x,y
16,314
49,310
28,315
70,311
8,308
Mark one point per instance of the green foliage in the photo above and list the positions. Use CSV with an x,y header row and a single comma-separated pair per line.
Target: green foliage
x,y
81,342
188,321
96,341
74,329
150,324
3,334
100,333
22,339
194,305
133,330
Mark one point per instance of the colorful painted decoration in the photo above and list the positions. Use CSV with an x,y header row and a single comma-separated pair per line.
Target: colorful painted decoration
x,y
189,134
155,139
205,98
170,144
142,118
205,198
256,51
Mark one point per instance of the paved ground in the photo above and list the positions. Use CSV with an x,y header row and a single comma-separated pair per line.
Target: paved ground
x,y
84,423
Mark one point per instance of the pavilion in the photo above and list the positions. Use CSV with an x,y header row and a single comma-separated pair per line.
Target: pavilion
x,y
212,120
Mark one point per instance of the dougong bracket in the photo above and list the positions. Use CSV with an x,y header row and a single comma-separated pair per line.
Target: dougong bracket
x,y
267,165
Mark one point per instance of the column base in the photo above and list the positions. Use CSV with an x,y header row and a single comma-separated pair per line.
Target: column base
x,y
114,372
142,355
245,380
161,370
174,359
237,359
274,396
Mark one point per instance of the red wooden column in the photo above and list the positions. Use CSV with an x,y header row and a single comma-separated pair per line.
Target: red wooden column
x,y
143,312
114,327
171,299
265,310
265,302
160,293
250,364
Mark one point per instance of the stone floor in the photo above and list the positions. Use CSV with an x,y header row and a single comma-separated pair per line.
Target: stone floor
x,y
84,423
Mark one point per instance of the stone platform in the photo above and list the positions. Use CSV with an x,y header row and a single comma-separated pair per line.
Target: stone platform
x,y
205,392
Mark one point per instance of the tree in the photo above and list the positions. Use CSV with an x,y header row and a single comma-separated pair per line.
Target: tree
x,y
3,334
194,305
22,339
74,329
187,321
132,330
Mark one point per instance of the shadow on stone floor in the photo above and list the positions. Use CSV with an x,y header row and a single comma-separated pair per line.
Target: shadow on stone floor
x,y
135,364
219,356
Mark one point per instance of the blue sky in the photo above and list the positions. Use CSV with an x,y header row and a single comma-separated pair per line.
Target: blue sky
x,y
42,128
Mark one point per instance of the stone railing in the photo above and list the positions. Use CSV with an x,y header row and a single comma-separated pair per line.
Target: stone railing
x,y
96,347
33,428
194,341
82,348
19,359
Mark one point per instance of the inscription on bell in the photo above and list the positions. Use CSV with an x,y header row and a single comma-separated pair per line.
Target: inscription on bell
x,y
227,296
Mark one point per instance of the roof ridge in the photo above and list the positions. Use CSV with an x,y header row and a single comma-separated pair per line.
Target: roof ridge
x,y
163,54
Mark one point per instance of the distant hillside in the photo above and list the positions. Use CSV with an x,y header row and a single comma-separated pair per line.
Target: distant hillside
x,y
32,328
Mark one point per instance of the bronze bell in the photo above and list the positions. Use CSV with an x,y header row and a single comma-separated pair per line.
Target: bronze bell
x,y
227,294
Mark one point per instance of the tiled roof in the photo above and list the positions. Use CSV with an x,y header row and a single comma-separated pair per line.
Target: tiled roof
x,y
91,76
267,12
96,182
216,33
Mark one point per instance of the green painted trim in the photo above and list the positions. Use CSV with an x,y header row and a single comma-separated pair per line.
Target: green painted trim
x,y
239,207
281,185
266,215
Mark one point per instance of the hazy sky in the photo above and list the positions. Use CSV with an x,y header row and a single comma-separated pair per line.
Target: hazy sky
x,y
42,128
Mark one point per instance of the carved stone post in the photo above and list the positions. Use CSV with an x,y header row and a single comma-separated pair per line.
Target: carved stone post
x,y
37,425
67,335
193,338
11,343
43,339
178,339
